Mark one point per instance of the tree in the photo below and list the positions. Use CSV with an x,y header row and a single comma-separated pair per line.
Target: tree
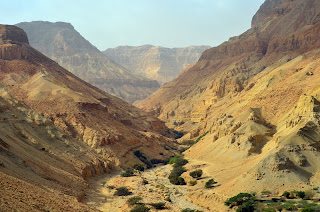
x,y
196,174
210,183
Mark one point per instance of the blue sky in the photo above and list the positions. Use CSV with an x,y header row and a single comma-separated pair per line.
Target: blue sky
x,y
169,23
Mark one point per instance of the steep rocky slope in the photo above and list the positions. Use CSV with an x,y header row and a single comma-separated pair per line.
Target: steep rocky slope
x,y
57,130
155,62
63,44
255,100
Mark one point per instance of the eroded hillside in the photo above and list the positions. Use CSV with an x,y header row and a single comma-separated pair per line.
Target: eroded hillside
x,y
57,130
255,100
63,44
155,62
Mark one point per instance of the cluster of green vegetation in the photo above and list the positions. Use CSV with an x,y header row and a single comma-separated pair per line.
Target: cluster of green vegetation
x,y
201,136
138,167
248,202
196,174
138,206
189,210
193,182
210,183
158,205
300,194
127,173
244,201
175,175
122,191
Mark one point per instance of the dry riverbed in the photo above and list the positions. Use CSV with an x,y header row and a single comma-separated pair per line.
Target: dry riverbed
x,y
101,197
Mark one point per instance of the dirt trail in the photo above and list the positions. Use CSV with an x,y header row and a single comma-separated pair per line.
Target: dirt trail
x,y
100,195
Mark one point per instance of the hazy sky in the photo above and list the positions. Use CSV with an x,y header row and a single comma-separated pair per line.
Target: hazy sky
x,y
169,23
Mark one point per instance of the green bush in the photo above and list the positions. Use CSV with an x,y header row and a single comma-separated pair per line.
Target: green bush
x,y
134,200
176,180
301,194
196,174
248,206
239,199
193,182
172,160
180,162
210,183
159,205
309,194
122,191
140,208
308,209
189,210
286,194
178,171
127,173
138,167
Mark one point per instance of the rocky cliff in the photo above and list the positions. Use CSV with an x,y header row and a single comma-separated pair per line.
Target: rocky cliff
x,y
63,44
155,62
57,130
253,100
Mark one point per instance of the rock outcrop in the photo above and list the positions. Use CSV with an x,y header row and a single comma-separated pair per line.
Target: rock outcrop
x,y
57,130
155,62
253,102
63,44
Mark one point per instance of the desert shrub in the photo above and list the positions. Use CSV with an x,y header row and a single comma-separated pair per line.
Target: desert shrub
x,y
176,180
201,136
134,200
173,160
196,174
301,194
193,182
127,173
140,208
210,183
308,209
248,206
122,191
189,210
178,171
138,167
159,205
239,199
268,209
286,194
180,162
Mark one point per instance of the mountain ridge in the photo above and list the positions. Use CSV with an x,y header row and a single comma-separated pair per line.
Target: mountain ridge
x,y
62,43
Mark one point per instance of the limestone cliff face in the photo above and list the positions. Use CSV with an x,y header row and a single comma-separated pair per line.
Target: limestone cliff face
x,y
63,44
155,62
252,98
57,130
